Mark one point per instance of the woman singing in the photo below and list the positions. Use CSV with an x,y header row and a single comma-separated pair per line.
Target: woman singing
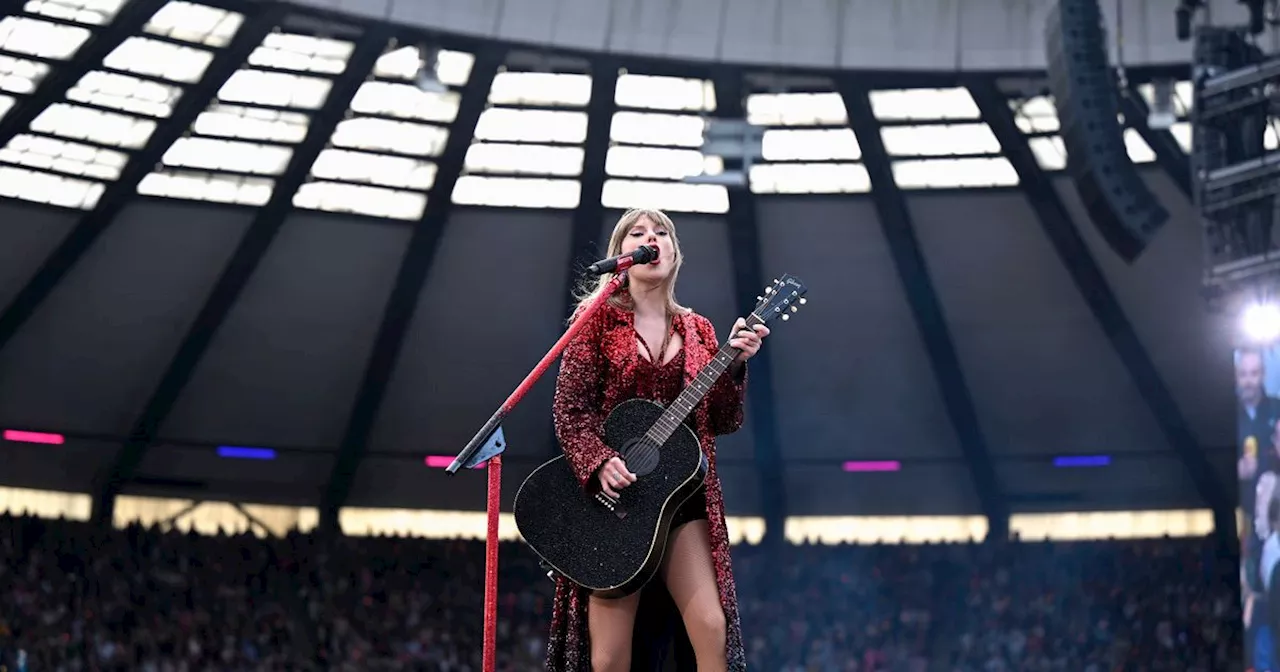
x,y
641,343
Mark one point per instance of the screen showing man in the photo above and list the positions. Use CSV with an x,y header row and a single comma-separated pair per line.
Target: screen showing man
x,y
1257,465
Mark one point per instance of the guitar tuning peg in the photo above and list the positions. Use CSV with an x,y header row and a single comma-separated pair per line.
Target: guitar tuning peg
x,y
795,308
775,281
803,300
785,317
759,298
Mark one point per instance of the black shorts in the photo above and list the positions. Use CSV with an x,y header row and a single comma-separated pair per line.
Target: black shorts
x,y
693,508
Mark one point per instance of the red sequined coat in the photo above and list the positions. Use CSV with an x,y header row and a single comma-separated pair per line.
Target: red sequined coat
x,y
598,371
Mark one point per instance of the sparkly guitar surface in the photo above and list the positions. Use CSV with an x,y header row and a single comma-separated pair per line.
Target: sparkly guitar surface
x,y
613,547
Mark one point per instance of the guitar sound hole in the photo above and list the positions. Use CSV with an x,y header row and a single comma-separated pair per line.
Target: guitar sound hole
x,y
641,456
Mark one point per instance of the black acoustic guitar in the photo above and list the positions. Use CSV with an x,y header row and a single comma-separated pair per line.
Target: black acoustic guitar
x,y
609,546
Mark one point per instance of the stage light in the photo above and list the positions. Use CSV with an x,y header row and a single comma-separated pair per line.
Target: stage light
x,y
443,461
20,436
1261,322
872,465
1082,461
245,453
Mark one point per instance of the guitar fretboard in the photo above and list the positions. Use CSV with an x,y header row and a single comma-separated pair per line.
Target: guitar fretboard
x,y
695,391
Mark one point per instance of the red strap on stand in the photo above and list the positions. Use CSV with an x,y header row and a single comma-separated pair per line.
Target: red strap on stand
x,y
486,447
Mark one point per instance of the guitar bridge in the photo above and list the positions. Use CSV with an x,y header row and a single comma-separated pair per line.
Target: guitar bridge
x,y
612,504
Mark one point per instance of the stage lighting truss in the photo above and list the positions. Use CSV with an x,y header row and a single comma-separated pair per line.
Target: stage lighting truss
x,y
1235,178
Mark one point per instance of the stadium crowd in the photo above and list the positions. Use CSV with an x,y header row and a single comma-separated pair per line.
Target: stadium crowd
x,y
76,598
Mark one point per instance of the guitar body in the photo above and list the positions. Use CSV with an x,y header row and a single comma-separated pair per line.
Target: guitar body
x,y
612,548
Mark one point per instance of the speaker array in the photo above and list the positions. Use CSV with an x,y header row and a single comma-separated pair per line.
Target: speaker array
x,y
1085,93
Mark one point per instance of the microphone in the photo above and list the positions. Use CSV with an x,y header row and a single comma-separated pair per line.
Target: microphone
x,y
643,255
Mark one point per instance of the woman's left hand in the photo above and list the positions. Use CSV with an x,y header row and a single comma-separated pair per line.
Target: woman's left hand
x,y
747,340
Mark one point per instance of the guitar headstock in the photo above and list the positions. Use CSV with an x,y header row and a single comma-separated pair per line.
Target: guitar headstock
x,y
782,297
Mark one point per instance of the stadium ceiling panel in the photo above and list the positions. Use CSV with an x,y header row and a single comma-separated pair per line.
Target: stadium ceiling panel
x,y
265,253
921,35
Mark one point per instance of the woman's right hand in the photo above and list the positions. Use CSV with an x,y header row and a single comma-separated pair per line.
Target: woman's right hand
x,y
614,476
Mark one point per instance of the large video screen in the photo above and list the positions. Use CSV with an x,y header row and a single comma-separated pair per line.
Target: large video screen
x,y
1257,372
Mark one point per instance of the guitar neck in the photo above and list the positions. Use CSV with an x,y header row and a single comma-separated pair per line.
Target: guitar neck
x,y
696,390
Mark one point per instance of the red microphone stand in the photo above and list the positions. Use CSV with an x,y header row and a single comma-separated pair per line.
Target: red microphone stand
x,y
487,446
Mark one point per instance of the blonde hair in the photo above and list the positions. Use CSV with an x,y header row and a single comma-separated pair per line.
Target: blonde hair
x,y
622,299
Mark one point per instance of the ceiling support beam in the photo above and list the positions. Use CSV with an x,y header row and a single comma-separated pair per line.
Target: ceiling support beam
x,y
239,270
585,245
926,309
588,218
415,266
1168,152
52,89
1096,292
195,98
749,280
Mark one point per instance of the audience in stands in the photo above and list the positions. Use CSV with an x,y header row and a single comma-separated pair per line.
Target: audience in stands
x,y
78,599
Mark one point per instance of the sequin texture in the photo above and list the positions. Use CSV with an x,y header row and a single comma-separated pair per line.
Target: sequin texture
x,y
600,368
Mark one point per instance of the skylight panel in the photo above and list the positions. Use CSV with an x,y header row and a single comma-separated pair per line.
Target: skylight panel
x,y
654,162
174,62
276,89
1138,149
641,128
949,173
452,68
303,53
42,39
809,178
39,187
526,159
82,123
540,88
228,155
507,124
403,137
405,101
18,75
796,109
194,23
91,12
361,200
513,192
1050,152
674,196
378,170
126,93
68,158
665,93
249,123
939,140
924,104
203,186
1035,115
810,145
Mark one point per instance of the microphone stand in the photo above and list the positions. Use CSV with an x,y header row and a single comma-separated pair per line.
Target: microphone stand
x,y
487,446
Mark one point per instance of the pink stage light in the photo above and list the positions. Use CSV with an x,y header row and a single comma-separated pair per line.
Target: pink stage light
x,y
33,437
443,462
872,465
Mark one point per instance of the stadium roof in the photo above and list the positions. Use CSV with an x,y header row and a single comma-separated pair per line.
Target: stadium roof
x,y
246,225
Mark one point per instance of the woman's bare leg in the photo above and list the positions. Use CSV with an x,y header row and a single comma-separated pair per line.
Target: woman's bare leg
x,y
611,623
691,579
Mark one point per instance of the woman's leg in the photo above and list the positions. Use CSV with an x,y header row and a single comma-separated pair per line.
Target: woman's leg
x,y
690,576
611,623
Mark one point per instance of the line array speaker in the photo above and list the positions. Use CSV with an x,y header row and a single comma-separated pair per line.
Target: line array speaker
x,y
1118,201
